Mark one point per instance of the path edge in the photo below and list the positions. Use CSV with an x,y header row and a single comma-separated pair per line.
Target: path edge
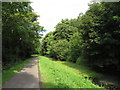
x,y
39,75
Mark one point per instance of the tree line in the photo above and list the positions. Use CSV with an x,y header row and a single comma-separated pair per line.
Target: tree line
x,y
92,38
20,32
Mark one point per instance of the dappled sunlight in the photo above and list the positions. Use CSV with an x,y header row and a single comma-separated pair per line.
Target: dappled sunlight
x,y
22,80
7,74
26,76
15,71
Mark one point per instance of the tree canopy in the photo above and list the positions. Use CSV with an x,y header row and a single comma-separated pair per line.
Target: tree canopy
x,y
20,30
93,37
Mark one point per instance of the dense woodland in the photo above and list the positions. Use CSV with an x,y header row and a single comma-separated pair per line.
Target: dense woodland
x,y
20,32
89,42
92,38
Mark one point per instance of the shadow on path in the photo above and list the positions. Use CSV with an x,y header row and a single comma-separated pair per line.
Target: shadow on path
x,y
27,77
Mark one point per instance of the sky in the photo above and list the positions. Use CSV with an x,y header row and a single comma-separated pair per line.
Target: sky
x,y
53,11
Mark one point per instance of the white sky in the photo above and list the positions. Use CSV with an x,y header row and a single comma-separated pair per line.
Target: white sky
x,y
53,11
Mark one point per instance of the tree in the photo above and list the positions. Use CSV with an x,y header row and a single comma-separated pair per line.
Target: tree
x,y
93,36
21,31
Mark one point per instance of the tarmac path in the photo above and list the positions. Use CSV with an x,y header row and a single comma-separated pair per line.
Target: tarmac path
x,y
27,77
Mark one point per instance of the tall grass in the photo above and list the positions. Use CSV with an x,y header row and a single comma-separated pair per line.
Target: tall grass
x,y
55,74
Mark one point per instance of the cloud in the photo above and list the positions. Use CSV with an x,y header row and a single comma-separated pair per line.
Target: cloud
x,y
52,11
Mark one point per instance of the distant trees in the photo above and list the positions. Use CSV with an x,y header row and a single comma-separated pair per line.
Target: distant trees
x,y
93,37
20,31
58,40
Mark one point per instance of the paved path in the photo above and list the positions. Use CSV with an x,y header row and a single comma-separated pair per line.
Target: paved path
x,y
28,77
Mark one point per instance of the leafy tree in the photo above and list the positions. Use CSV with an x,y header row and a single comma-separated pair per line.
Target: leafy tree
x,y
101,38
93,37
21,31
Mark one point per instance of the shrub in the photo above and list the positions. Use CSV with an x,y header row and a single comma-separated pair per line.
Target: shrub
x,y
69,58
78,60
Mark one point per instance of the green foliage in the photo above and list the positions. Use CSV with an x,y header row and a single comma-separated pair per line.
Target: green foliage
x,y
61,49
93,36
69,58
101,41
56,44
56,74
20,31
79,61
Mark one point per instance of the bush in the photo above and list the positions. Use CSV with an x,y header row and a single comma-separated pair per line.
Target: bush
x,y
69,58
78,61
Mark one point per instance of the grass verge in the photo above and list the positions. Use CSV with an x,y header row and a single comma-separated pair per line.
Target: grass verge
x,y
7,74
55,74
80,69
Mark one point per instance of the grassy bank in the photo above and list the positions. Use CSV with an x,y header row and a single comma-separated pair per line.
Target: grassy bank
x,y
7,74
57,74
